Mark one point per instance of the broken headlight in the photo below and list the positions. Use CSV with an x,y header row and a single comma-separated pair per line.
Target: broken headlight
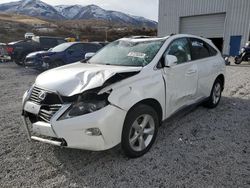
x,y
86,104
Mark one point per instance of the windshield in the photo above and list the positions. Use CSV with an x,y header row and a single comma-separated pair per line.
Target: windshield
x,y
128,53
60,47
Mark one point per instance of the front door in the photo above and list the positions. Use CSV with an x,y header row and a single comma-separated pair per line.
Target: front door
x,y
181,79
235,45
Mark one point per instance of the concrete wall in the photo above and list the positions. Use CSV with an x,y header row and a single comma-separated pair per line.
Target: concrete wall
x,y
237,20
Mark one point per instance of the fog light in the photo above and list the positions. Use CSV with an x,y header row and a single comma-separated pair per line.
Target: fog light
x,y
93,132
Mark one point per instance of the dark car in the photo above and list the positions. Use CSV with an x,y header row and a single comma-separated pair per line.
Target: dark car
x,y
4,56
62,54
19,49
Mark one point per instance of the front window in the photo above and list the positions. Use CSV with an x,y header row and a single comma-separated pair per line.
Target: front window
x,y
180,49
128,53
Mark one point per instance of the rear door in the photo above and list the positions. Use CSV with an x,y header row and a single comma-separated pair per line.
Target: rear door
x,y
181,79
206,59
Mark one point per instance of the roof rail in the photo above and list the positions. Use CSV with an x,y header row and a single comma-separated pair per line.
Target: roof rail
x,y
140,37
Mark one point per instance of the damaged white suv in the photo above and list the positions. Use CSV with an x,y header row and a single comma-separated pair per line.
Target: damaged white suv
x,y
123,93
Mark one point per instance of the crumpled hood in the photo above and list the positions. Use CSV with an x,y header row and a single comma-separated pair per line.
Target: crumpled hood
x,y
76,78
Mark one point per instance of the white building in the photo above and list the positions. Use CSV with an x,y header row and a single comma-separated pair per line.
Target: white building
x,y
225,22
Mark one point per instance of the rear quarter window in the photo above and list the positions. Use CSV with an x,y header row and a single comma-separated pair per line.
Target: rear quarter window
x,y
212,51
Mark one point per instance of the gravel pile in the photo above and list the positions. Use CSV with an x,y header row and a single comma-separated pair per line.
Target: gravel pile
x,y
203,148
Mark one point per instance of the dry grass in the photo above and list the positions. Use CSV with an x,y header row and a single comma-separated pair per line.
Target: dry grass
x,y
21,19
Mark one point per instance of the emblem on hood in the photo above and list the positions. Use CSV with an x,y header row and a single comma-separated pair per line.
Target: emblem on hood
x,y
42,95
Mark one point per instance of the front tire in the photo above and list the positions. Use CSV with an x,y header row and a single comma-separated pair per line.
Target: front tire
x,y
238,60
139,130
215,95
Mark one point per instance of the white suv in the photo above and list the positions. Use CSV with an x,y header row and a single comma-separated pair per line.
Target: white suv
x,y
123,93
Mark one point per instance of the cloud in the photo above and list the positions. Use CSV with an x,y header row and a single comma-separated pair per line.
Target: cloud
x,y
145,8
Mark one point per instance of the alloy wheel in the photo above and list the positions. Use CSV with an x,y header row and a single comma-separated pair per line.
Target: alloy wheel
x,y
216,93
141,132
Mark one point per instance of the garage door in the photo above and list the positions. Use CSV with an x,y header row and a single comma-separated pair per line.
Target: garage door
x,y
209,26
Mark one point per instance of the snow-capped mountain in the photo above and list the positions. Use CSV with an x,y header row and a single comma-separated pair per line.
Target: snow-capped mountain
x,y
34,8
40,9
68,11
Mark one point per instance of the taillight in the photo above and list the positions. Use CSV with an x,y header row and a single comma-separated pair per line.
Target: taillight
x,y
10,50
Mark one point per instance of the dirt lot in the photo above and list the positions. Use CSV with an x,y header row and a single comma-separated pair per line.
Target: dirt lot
x,y
204,148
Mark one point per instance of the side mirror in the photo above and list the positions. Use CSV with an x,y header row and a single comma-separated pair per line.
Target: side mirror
x,y
170,60
89,55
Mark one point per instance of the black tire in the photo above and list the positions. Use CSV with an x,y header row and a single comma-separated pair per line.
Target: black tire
x,y
238,60
211,102
135,115
55,64
19,62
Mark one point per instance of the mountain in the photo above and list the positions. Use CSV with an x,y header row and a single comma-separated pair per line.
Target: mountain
x,y
40,9
34,8
68,12
95,12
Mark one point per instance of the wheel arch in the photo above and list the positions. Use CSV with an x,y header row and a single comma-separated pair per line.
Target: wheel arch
x,y
221,77
152,103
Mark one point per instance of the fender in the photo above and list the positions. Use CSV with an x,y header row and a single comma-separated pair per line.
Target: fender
x,y
127,93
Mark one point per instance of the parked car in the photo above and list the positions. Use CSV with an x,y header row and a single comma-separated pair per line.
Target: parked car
x,y
62,54
4,56
244,54
29,35
123,93
22,48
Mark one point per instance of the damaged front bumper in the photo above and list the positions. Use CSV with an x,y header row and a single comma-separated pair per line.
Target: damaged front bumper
x,y
75,132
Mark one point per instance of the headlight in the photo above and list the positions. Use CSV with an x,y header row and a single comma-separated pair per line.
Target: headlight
x,y
242,50
86,106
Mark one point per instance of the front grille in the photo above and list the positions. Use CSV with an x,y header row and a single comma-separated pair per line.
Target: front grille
x,y
51,98
50,103
34,95
47,112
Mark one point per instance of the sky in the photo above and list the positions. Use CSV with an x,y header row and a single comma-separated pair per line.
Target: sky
x,y
145,8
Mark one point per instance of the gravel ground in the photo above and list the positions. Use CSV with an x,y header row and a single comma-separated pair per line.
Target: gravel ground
x,y
204,148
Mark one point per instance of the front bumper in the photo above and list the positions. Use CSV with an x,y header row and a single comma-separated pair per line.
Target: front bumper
x,y
36,64
72,132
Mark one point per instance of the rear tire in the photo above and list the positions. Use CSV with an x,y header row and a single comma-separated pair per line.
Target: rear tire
x,y
20,61
139,130
215,95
